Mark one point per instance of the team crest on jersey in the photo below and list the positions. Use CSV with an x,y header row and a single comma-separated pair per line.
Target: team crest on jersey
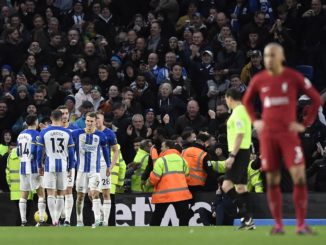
x,y
95,140
284,87
239,124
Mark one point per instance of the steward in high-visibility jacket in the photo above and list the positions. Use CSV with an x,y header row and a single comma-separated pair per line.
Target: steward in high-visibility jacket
x,y
169,178
255,180
118,173
13,175
197,160
139,164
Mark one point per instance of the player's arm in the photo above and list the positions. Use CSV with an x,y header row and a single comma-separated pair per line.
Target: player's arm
x,y
71,153
249,98
105,150
34,147
40,150
115,154
316,101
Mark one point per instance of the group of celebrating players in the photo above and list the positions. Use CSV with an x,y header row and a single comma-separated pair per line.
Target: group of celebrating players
x,y
50,158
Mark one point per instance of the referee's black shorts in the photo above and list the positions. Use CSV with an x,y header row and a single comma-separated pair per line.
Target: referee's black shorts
x,y
238,173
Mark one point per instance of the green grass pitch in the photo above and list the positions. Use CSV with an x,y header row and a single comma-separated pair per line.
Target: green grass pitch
x,y
154,236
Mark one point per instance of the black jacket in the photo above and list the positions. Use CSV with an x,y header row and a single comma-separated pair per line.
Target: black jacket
x,y
185,122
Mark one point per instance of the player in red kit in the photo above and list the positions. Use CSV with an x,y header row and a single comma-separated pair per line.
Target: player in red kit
x,y
278,88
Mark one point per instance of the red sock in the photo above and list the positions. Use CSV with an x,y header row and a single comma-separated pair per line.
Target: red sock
x,y
300,197
274,197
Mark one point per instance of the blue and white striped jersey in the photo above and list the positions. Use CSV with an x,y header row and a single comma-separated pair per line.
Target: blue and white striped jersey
x,y
111,140
26,151
59,149
88,149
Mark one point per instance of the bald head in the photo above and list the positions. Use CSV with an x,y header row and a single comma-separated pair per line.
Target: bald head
x,y
274,57
192,108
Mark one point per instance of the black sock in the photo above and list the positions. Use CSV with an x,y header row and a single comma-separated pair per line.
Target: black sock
x,y
232,195
244,205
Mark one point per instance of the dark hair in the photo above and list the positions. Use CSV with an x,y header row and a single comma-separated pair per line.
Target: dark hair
x,y
31,119
62,107
56,115
138,139
187,133
118,106
86,81
203,137
145,144
170,143
234,94
91,114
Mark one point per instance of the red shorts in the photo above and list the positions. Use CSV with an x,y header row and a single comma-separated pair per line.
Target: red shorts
x,y
275,147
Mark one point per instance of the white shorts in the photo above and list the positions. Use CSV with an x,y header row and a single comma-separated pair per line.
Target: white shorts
x,y
88,181
105,180
71,179
55,180
30,182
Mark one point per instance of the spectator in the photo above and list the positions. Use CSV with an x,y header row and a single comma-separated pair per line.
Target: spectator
x,y
122,122
218,118
259,24
164,73
45,79
181,87
20,123
191,118
22,100
6,118
217,87
76,17
132,105
230,59
5,141
253,67
104,24
142,92
84,108
168,104
156,43
29,69
113,98
96,97
70,103
185,20
170,8
150,119
13,49
41,103
237,83
83,94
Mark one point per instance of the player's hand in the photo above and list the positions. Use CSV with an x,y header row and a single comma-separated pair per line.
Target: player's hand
x,y
41,171
229,162
297,127
108,171
259,126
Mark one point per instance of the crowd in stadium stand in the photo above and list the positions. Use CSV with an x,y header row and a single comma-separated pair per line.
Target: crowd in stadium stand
x,y
156,68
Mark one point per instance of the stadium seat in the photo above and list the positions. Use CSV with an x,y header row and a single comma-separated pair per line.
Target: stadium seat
x,y
306,70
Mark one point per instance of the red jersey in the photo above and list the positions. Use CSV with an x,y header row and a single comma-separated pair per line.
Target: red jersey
x,y
279,95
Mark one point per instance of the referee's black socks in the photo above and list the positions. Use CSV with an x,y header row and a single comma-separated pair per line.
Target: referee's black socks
x,y
241,200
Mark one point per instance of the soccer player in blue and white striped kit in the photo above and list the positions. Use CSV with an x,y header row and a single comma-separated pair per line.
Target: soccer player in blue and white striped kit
x,y
57,144
89,142
29,177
